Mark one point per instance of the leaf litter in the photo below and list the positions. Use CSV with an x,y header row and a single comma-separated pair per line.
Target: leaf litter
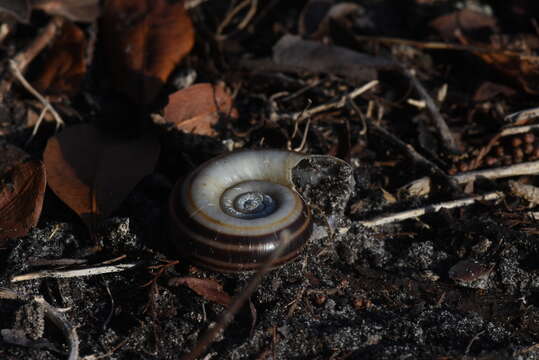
x,y
456,283
93,172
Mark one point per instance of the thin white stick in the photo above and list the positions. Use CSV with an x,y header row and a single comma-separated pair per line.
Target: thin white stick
x,y
526,168
47,105
336,104
409,214
519,129
73,273
59,319
443,130
522,116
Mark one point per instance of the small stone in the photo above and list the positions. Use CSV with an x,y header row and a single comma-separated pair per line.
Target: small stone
x,y
470,273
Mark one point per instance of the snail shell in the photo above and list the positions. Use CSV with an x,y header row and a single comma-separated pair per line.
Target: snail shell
x,y
230,213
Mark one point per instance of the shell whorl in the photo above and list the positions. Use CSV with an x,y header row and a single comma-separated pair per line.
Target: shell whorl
x,y
229,214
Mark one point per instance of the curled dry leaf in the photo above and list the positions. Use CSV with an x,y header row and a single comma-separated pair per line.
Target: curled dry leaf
x,y
93,172
22,185
74,10
198,108
209,289
64,67
144,40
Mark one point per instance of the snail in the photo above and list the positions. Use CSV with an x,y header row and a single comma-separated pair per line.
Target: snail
x,y
230,214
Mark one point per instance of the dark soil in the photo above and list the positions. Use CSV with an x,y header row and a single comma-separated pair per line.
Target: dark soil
x,y
457,284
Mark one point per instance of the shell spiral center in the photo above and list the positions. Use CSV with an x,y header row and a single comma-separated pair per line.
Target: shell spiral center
x,y
250,205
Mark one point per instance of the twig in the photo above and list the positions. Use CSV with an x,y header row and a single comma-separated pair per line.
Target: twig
x,y
439,122
228,18
25,57
59,319
409,214
108,354
335,104
73,273
191,4
54,315
527,168
304,138
414,155
46,104
523,116
445,46
515,130
228,315
474,339
5,29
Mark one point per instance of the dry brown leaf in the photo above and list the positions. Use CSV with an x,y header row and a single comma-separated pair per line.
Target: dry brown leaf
x,y
93,172
22,186
489,90
74,10
64,67
198,108
144,40
513,56
209,289
465,20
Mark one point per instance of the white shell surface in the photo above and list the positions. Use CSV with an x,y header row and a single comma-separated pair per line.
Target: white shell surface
x,y
202,191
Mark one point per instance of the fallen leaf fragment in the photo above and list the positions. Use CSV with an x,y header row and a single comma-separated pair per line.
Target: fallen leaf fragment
x,y
198,108
22,186
209,289
313,56
64,67
93,172
489,90
74,10
512,55
465,20
144,40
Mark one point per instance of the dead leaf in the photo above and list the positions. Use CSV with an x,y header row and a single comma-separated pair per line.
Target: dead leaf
x,y
74,10
489,90
144,40
198,108
64,67
512,55
465,20
22,186
93,172
313,56
209,289
19,9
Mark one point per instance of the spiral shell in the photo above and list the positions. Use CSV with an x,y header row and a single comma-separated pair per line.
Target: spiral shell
x,y
231,212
